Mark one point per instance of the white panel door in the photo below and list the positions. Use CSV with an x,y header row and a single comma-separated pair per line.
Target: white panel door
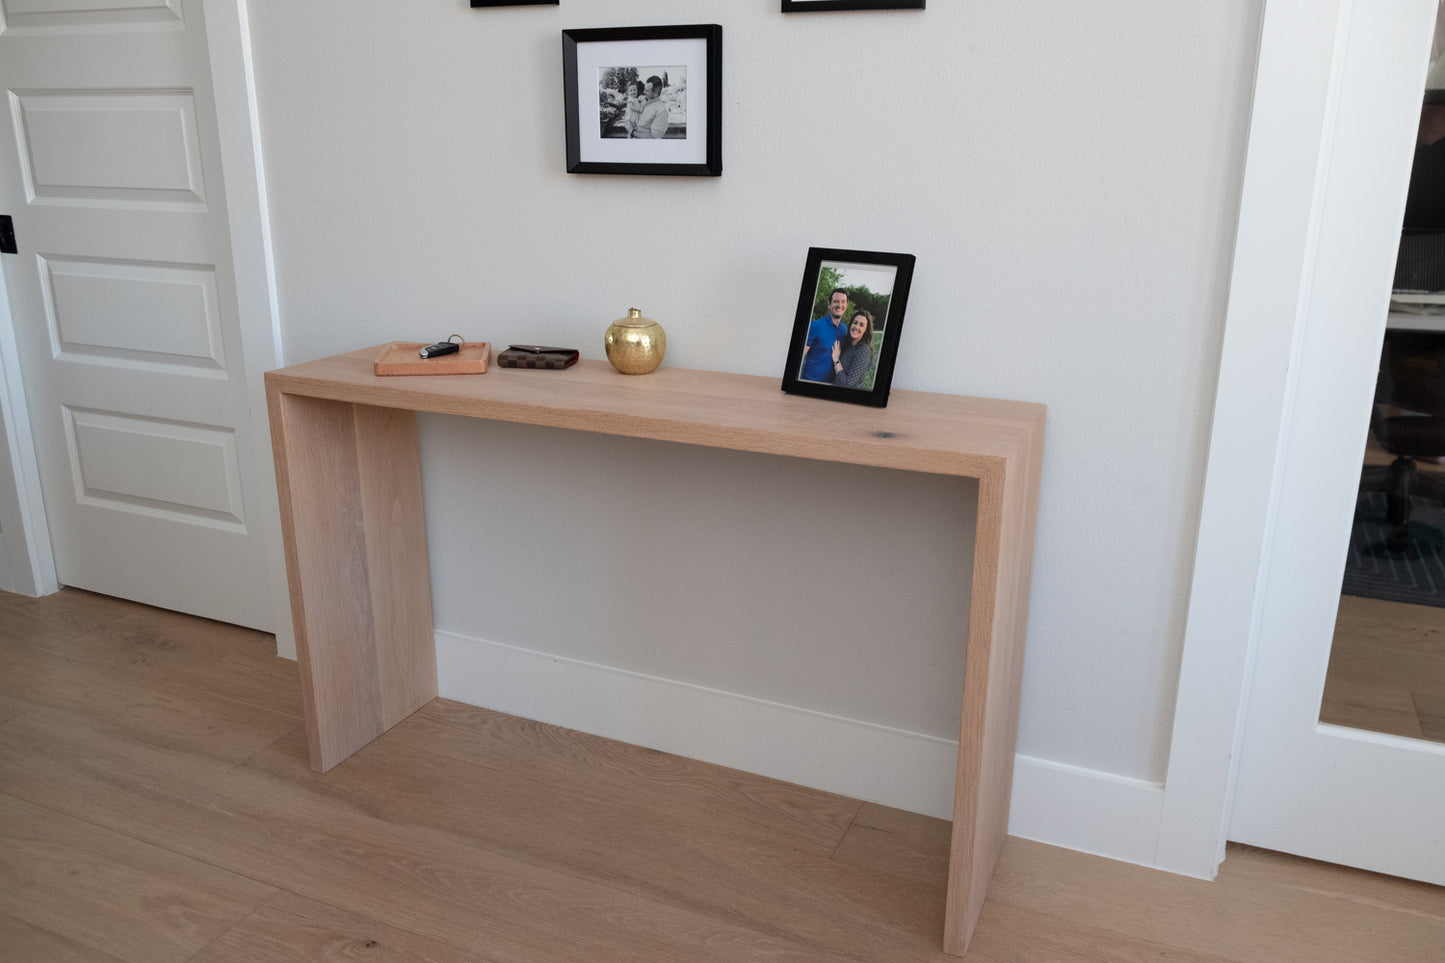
x,y
124,305
1322,791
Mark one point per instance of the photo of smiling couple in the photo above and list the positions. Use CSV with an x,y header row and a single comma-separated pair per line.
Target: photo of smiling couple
x,y
844,339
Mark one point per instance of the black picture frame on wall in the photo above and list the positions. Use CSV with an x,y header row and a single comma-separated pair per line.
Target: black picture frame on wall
x,y
671,125
811,6
514,3
873,289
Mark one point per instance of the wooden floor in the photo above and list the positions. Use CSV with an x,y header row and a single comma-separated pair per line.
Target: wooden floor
x,y
1387,659
156,805
1387,669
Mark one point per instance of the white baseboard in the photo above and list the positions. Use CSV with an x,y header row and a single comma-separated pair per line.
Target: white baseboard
x,y
1086,810
1067,806
902,769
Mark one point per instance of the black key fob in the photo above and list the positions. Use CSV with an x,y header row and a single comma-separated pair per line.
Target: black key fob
x,y
439,349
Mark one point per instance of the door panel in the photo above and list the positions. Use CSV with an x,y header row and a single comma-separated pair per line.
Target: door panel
x,y
39,13
123,298
159,467
159,316
137,146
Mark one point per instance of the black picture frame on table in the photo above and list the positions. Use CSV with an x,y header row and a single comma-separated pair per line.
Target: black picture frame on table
x,y
811,6
597,64
874,283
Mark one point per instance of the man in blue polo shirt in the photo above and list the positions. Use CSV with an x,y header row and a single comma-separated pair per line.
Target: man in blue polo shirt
x,y
822,334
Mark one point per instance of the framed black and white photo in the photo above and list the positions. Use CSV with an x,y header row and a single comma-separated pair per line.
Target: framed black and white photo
x,y
513,3
850,316
808,6
644,100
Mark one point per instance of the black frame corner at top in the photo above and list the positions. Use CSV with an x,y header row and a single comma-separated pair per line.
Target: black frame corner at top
x,y
819,6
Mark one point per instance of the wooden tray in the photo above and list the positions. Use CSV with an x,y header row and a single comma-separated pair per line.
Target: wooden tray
x,y
400,358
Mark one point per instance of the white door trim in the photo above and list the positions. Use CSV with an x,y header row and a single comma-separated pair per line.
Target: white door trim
x,y
228,36
27,565
1297,92
1303,787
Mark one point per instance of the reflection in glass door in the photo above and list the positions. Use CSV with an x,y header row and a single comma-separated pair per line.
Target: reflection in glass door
x,y
1387,661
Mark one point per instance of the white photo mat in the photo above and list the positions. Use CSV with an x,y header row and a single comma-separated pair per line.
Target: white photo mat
x,y
689,52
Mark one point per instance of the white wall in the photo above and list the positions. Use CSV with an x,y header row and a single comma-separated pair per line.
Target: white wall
x,y
1068,176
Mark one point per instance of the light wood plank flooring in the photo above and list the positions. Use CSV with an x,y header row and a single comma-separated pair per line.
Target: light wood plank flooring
x,y
1387,669
1387,659
156,805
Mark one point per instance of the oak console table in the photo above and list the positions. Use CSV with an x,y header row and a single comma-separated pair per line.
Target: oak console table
x,y
349,475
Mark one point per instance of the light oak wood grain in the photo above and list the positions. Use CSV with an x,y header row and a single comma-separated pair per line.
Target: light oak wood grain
x,y
290,928
173,714
1387,669
55,617
1373,706
10,708
403,358
355,537
918,431
1238,917
106,892
901,843
25,941
793,816
656,845
1008,934
422,878
1430,713
184,650
388,473
1266,871
993,676
350,488
464,835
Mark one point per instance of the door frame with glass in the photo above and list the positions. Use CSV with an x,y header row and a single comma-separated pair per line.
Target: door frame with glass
x,y
1312,188
1330,792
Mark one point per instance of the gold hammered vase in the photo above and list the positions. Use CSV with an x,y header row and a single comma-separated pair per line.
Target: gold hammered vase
x,y
635,345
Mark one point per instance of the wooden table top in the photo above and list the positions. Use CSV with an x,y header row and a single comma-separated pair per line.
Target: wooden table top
x,y
918,431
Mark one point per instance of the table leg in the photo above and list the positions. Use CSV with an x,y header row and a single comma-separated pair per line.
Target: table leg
x,y
993,670
349,480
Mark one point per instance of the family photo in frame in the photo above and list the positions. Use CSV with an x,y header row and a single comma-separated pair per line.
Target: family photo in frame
x,y
847,326
643,100
651,109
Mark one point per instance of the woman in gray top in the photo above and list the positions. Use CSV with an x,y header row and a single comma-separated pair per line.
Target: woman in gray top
x,y
853,353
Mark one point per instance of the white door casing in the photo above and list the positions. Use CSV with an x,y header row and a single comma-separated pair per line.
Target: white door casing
x,y
1320,791
145,398
1297,68
26,565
